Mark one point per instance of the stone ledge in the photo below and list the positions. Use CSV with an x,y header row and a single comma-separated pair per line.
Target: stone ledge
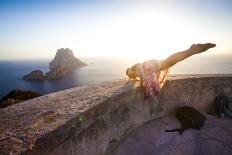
x,y
86,120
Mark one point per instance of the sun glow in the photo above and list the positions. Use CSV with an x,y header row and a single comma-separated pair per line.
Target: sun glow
x,y
138,29
144,35
143,30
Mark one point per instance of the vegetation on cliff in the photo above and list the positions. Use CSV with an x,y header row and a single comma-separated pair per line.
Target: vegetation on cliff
x,y
16,96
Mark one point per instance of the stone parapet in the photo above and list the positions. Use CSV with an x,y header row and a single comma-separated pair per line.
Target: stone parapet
x,y
87,120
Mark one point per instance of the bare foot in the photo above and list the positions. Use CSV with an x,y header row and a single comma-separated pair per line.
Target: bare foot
x,y
198,48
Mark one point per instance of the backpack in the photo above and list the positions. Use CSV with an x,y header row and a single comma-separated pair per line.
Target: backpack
x,y
222,105
189,118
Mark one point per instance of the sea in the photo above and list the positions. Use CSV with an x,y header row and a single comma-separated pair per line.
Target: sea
x,y
99,69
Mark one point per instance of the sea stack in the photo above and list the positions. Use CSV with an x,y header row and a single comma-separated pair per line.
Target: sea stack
x,y
63,63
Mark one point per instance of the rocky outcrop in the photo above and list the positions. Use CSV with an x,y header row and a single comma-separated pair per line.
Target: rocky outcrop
x,y
63,63
34,75
16,96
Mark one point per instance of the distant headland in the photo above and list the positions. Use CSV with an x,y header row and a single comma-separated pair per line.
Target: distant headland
x,y
17,96
63,63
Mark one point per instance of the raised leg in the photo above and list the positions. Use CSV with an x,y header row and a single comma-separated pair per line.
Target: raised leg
x,y
179,56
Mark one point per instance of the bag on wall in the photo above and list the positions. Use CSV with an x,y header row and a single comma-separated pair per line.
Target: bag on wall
x,y
189,118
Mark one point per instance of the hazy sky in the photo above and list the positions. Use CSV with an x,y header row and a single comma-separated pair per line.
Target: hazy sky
x,y
146,29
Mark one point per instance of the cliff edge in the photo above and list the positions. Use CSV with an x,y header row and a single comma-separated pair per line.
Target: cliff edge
x,y
17,96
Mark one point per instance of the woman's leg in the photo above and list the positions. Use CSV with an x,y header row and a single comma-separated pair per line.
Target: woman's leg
x,y
177,57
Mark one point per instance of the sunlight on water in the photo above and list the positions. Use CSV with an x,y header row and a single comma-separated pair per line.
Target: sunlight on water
x,y
97,71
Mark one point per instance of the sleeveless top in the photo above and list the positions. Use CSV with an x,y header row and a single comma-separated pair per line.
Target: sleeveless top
x,y
155,79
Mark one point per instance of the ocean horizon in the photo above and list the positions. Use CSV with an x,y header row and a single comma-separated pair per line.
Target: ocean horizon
x,y
99,69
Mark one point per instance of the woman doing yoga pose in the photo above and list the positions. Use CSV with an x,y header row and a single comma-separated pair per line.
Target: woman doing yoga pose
x,y
153,73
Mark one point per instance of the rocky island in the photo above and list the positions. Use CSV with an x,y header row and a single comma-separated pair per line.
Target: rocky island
x,y
63,63
34,75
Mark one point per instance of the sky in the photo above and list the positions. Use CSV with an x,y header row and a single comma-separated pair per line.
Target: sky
x,y
143,29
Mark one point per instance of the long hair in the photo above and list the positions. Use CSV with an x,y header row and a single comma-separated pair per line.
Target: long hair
x,y
127,71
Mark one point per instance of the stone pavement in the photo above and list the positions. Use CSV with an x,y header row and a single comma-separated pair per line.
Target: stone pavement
x,y
215,138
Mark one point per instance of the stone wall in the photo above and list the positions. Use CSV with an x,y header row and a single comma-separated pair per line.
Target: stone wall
x,y
87,120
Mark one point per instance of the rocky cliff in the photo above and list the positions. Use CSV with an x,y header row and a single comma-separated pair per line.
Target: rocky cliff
x,y
17,96
63,63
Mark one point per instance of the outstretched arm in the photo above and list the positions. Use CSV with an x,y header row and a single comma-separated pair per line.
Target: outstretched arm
x,y
177,57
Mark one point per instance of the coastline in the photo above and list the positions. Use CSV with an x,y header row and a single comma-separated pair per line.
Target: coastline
x,y
98,70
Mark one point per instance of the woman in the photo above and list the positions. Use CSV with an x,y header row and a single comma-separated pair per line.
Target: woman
x,y
153,73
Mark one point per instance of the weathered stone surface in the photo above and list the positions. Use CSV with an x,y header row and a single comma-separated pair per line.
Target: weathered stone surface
x,y
16,96
34,75
63,122
214,138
